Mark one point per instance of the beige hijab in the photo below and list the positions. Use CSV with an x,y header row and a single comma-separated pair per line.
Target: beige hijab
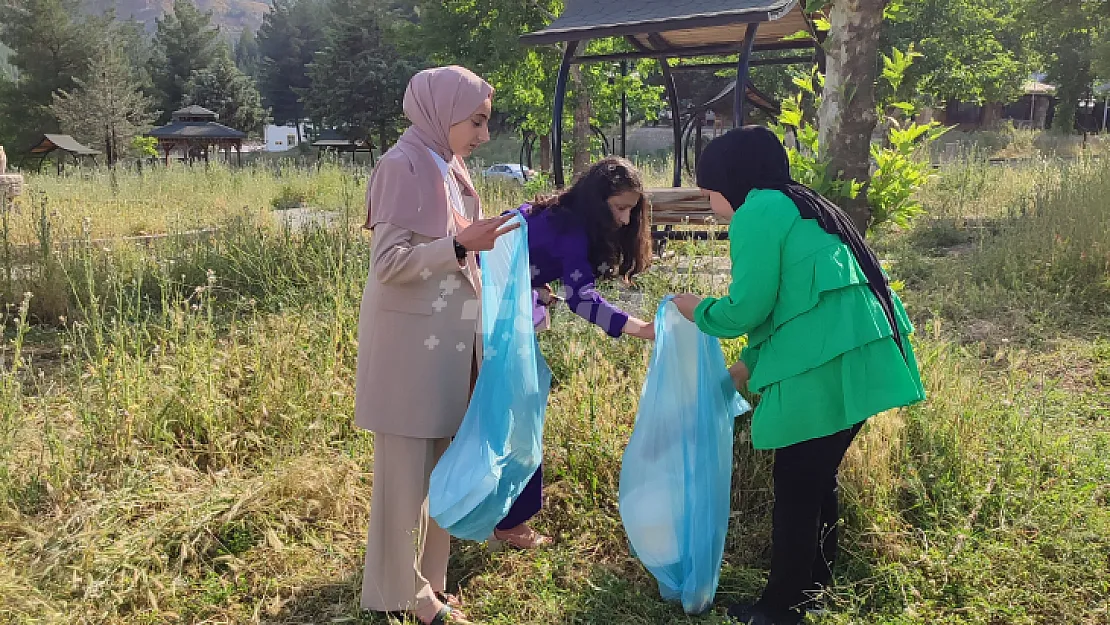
x,y
406,188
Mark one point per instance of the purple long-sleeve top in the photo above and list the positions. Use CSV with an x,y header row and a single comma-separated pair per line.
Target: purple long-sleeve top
x,y
558,248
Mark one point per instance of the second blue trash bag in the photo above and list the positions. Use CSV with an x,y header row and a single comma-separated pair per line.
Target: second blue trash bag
x,y
499,444
676,473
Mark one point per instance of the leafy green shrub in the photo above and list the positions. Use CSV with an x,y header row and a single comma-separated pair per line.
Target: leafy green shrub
x,y
293,197
898,169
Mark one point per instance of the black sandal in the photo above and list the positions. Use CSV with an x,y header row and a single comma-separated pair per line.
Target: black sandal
x,y
443,617
751,614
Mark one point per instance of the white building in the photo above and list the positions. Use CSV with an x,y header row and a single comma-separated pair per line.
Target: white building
x,y
282,138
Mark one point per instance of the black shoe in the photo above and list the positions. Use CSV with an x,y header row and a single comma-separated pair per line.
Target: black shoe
x,y
753,614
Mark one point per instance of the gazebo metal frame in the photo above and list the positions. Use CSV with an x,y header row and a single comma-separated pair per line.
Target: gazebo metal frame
x,y
679,29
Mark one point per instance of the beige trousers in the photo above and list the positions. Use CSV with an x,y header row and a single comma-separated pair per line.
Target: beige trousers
x,y
406,552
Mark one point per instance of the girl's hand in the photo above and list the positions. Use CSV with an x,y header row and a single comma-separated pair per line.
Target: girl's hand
x,y
686,303
640,329
740,375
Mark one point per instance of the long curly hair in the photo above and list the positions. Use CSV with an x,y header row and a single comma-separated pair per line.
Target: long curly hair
x,y
614,251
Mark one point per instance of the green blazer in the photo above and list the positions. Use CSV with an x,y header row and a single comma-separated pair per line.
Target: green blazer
x,y
820,350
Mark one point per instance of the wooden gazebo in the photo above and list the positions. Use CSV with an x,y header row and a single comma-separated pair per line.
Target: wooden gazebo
x,y
63,144
753,31
195,130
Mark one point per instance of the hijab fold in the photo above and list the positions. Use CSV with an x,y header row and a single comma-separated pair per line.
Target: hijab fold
x,y
406,188
752,157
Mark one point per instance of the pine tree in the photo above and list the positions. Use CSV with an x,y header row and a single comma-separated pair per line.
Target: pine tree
x,y
185,42
359,78
247,56
109,108
51,45
290,35
224,89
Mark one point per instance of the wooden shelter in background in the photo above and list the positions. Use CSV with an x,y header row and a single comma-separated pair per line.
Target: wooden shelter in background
x,y
752,32
195,131
1034,110
57,144
332,141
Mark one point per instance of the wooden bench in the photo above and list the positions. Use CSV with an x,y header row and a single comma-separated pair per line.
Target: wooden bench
x,y
684,207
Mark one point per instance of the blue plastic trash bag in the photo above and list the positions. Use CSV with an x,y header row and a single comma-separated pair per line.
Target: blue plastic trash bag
x,y
677,469
499,444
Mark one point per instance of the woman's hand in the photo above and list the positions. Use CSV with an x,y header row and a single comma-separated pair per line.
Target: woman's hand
x,y
740,375
686,303
481,235
639,329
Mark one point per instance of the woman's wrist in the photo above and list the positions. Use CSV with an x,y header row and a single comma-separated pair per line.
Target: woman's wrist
x,y
460,249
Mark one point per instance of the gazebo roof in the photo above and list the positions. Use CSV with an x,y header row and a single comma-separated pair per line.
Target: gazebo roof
x,y
65,143
1036,87
196,130
681,27
331,137
194,113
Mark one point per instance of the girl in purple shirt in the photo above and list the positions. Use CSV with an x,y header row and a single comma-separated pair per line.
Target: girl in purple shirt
x,y
596,230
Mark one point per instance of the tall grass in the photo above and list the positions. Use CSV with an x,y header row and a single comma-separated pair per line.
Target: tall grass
x,y
176,443
1006,142
1040,255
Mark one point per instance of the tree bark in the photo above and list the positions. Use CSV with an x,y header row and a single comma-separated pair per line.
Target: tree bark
x,y
581,123
951,111
991,116
847,116
545,153
1041,104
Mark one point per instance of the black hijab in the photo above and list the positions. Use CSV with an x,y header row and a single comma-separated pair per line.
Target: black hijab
x,y
752,157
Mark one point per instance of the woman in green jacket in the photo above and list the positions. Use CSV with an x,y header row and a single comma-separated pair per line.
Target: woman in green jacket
x,y
827,349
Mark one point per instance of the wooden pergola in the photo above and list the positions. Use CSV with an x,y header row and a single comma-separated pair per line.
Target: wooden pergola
x,y
196,130
681,29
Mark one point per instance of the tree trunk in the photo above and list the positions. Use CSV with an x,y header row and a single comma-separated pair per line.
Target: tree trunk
x,y
1040,111
951,111
581,123
545,153
1067,107
991,115
381,138
847,115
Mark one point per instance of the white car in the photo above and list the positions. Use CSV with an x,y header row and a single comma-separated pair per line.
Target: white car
x,y
509,171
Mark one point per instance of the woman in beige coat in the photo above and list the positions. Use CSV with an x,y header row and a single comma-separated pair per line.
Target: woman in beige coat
x,y
419,332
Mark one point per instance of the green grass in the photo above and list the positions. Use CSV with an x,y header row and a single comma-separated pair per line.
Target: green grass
x,y
176,442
